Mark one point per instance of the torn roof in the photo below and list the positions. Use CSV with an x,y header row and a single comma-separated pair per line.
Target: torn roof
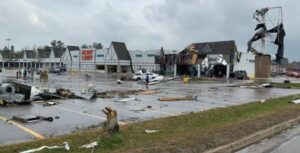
x,y
121,50
218,47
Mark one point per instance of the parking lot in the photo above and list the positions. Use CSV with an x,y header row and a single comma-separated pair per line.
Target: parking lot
x,y
77,114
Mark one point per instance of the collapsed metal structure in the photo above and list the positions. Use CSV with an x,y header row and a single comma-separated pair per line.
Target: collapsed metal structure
x,y
266,28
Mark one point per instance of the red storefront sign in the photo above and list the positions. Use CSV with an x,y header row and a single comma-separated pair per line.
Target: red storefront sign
x,y
87,55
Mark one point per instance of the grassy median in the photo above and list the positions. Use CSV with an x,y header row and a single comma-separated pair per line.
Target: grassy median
x,y
191,132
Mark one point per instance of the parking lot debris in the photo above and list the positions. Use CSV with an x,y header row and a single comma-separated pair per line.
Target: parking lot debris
x,y
143,109
31,118
50,119
3,103
151,131
296,101
87,76
177,98
266,85
125,99
64,92
119,82
213,89
48,96
50,103
65,147
26,118
148,92
112,125
8,93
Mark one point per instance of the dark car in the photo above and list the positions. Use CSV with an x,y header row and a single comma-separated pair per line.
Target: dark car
x,y
240,75
57,69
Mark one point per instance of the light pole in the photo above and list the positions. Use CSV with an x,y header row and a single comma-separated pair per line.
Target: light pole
x,y
8,39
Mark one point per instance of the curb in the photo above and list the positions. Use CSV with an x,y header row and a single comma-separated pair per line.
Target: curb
x,y
254,138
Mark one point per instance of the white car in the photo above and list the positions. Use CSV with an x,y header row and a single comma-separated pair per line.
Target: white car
x,y
142,76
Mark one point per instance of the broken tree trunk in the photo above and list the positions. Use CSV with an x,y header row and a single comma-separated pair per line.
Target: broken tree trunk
x,y
112,125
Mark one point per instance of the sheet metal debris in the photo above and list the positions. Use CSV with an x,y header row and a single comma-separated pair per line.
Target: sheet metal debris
x,y
151,131
90,145
296,101
31,118
125,99
65,147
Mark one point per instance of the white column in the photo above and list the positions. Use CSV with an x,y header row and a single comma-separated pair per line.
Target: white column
x,y
175,70
199,70
227,71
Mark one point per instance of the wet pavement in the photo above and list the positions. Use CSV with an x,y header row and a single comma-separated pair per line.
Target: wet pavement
x,y
285,142
78,114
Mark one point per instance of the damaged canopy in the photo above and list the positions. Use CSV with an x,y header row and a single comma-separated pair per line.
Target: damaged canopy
x,y
263,32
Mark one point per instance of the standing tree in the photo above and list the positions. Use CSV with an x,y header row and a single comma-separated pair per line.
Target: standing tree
x,y
8,54
53,43
57,44
97,45
84,46
60,44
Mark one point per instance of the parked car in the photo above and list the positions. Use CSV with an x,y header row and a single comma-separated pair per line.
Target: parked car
x,y
57,69
240,75
140,75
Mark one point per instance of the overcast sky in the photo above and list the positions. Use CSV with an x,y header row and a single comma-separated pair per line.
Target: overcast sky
x,y
141,24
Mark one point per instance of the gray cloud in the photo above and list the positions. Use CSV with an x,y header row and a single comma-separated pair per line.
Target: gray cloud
x,y
141,24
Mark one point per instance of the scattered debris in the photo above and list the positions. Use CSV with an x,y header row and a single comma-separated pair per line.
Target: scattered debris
x,y
90,145
125,99
65,147
151,131
119,82
50,103
266,85
112,125
3,103
87,76
178,98
64,92
31,118
296,101
10,94
50,119
148,92
26,118
143,109
149,107
213,89
251,87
